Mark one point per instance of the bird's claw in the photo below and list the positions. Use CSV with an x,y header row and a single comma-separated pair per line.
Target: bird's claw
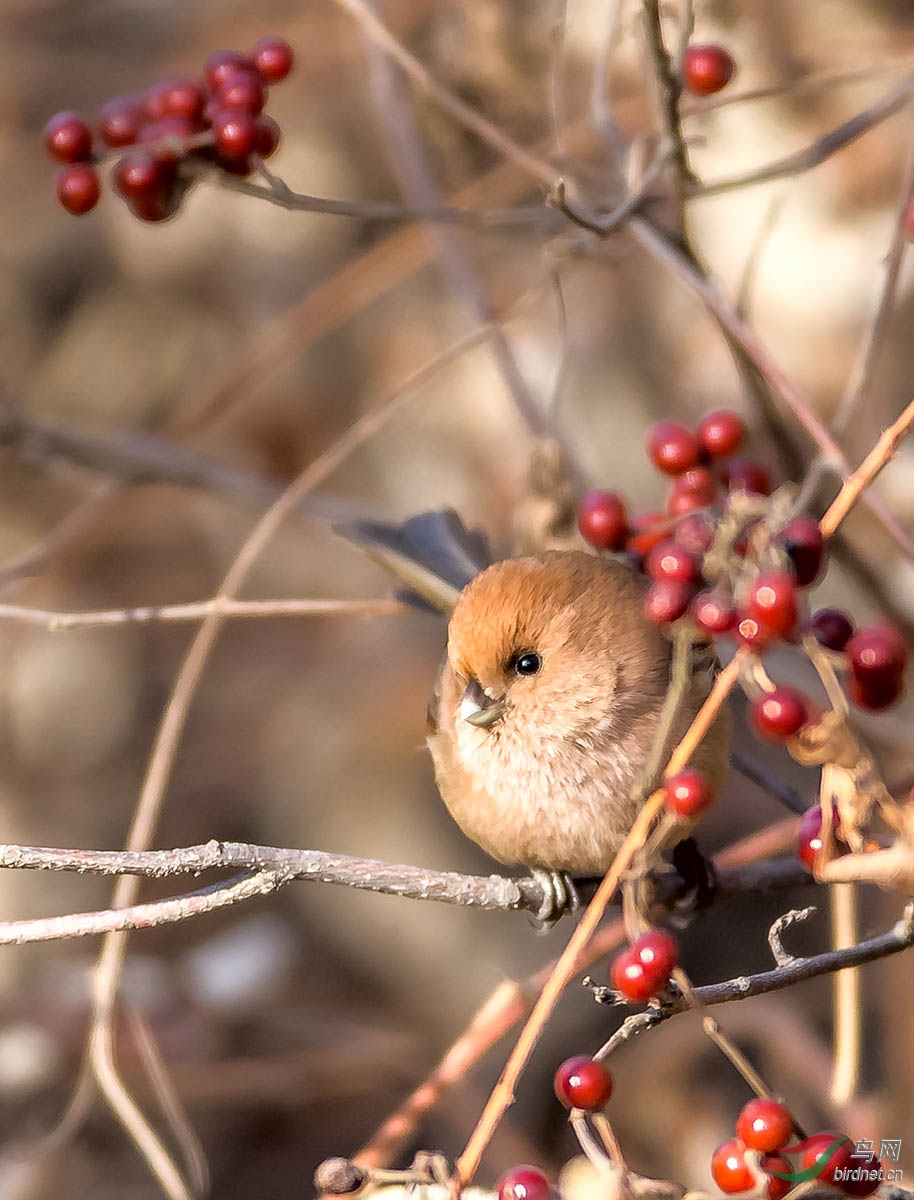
x,y
560,896
699,881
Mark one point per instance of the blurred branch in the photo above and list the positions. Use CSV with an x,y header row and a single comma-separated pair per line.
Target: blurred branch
x,y
282,196
722,308
103,618
417,183
669,88
484,129
744,987
857,388
817,152
269,867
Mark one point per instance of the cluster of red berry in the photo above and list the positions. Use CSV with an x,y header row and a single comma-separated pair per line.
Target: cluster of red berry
x,y
717,558
765,1126
707,69
218,119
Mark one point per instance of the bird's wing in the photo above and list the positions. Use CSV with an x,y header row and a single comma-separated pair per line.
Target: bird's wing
x,y
433,554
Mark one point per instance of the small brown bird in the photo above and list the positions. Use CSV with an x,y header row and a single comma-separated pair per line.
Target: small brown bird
x,y
547,707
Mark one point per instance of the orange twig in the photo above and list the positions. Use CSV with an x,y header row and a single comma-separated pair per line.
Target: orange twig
x,y
859,480
502,1095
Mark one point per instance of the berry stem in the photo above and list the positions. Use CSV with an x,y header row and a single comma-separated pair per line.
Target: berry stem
x,y
608,1137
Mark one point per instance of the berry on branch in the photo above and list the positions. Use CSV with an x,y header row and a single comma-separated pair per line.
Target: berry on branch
x,y
707,69
643,970
583,1082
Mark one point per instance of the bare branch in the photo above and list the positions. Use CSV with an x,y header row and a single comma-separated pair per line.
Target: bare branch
x,y
818,151
527,215
196,611
268,867
744,987
783,957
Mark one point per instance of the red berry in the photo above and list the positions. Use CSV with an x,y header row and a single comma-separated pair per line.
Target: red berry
x,y
834,1151
681,504
746,475
720,434
222,64
119,121
583,1082
698,483
805,546
243,91
667,600
752,634
874,695
809,836
172,132
777,1188
869,1170
643,970
603,520
274,58
139,173
266,135
68,138
831,628
78,187
179,96
778,715
713,613
668,560
772,601
764,1124
707,69
729,1168
647,529
671,448
233,131
877,654
156,208
523,1183
694,533
687,794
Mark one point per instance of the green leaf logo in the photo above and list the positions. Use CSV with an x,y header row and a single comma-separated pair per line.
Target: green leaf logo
x,y
815,1168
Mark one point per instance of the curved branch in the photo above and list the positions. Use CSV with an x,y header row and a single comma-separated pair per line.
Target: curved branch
x,y
269,867
743,987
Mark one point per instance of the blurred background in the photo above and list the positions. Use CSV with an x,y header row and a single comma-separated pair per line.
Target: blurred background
x,y
255,336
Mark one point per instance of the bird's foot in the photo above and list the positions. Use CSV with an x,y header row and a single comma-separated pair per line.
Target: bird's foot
x,y
699,881
560,896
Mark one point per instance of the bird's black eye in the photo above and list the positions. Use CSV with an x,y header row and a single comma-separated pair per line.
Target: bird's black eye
x,y
527,663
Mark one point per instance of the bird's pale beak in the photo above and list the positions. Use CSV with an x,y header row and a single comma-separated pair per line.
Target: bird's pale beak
x,y
479,708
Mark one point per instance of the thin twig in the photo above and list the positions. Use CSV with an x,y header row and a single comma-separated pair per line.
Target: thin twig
x,y
745,987
669,88
484,129
857,386
503,1093
847,1019
818,151
527,215
196,611
857,483
418,185
783,957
